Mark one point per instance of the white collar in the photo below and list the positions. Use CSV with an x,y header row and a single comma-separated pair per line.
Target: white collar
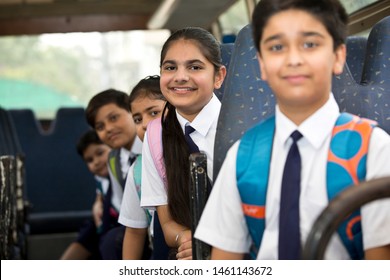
x,y
205,118
314,129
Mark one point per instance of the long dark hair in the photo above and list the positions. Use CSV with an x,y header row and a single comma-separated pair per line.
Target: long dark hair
x,y
175,149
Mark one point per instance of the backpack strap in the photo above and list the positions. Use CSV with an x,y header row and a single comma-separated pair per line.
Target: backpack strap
x,y
137,173
154,132
252,169
347,158
115,166
137,176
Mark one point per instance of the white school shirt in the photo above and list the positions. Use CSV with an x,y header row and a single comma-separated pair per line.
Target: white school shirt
x,y
124,155
205,124
223,224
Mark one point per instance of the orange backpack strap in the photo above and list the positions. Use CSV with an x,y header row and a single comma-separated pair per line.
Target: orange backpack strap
x,y
347,159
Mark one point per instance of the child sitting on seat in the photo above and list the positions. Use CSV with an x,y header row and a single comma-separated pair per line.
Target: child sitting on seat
x,y
109,114
146,104
276,180
95,154
190,69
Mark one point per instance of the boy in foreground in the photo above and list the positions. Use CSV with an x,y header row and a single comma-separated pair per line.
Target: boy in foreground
x,y
275,181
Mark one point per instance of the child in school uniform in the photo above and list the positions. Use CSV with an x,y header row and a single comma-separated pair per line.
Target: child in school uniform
x,y
108,113
95,154
300,44
146,103
190,69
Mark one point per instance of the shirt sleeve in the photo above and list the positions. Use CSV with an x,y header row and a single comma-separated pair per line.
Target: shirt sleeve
x,y
375,215
153,191
131,213
222,224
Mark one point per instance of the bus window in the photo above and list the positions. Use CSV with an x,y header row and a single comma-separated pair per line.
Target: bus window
x,y
364,14
50,71
233,20
352,5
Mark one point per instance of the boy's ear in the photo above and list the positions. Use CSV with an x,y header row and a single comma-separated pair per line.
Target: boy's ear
x,y
341,54
261,64
220,77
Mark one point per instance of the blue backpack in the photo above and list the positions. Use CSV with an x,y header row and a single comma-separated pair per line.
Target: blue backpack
x,y
346,158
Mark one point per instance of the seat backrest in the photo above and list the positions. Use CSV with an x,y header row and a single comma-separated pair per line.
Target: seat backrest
x,y
356,50
247,98
371,97
27,127
4,141
57,179
377,60
9,140
64,169
226,53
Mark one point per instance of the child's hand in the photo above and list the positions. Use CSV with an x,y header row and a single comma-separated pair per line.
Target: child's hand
x,y
184,250
97,212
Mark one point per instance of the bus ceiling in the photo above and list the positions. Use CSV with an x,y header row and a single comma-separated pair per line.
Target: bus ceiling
x,y
27,17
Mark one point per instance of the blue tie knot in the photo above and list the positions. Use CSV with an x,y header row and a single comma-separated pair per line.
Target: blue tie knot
x,y
296,135
191,144
189,129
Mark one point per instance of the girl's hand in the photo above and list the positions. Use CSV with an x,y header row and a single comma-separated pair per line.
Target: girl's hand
x,y
184,243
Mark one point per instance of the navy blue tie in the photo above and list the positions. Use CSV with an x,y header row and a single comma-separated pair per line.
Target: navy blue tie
x,y
289,233
191,144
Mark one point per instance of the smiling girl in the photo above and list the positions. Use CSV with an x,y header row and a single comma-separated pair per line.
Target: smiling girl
x,y
190,70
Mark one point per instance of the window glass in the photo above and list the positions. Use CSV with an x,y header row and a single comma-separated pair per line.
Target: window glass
x,y
234,19
354,5
50,71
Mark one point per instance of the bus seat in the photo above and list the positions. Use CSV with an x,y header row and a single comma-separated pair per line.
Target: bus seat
x,y
26,125
356,49
59,186
376,67
247,99
371,97
4,140
67,118
226,53
9,140
376,73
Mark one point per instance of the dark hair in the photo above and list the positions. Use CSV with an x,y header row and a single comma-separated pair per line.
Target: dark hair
x,y
175,149
330,13
206,42
103,98
147,87
88,138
